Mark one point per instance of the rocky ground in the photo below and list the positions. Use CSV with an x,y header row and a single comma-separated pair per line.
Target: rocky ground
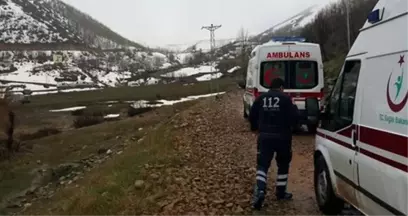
x,y
220,152
216,172
219,179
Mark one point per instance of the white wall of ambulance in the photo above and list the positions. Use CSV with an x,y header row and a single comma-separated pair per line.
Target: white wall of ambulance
x,y
366,149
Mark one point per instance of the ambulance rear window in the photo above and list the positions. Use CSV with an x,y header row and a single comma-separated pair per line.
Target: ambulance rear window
x,y
272,70
296,74
306,74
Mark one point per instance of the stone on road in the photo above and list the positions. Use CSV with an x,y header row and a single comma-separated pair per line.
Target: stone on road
x,y
219,165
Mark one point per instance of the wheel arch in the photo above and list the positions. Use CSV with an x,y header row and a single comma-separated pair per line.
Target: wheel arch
x,y
322,152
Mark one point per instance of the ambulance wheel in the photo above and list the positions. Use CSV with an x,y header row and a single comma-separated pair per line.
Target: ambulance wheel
x,y
327,200
312,128
245,115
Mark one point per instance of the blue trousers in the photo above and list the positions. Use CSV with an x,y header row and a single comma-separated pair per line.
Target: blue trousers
x,y
267,147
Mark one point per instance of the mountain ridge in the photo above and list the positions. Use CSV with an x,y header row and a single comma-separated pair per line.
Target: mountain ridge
x,y
55,22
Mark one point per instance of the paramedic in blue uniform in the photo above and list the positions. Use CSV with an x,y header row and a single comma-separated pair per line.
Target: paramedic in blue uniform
x,y
273,114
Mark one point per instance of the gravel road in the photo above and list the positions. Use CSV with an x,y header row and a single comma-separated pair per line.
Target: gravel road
x,y
220,152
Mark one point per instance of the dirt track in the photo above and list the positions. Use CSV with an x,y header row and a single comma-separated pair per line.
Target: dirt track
x,y
220,151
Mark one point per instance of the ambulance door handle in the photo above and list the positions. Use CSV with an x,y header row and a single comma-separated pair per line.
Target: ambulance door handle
x,y
354,136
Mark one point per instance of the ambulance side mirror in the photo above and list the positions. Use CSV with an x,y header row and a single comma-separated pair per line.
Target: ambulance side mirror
x,y
241,84
312,110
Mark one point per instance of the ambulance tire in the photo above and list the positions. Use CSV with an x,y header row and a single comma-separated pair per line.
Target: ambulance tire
x,y
330,204
245,114
312,128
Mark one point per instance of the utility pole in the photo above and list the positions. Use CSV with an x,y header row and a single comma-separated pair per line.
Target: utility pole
x,y
348,24
212,29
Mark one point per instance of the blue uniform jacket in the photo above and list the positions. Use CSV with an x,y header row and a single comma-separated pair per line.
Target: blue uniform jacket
x,y
273,114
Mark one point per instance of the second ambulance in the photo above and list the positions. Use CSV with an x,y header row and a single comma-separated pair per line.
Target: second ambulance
x,y
298,63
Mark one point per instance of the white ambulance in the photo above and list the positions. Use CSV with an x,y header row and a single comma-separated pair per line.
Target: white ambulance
x,y
298,63
361,150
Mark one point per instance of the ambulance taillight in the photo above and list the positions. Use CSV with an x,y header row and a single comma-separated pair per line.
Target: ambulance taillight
x,y
256,93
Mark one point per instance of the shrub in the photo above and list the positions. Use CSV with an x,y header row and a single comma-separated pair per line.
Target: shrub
x,y
137,111
77,112
44,132
85,121
94,111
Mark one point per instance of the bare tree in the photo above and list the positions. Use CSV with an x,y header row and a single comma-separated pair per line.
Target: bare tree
x,y
243,35
157,61
243,40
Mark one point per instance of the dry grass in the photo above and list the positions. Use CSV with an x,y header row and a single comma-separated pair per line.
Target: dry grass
x,y
30,118
151,92
111,190
51,139
43,132
73,145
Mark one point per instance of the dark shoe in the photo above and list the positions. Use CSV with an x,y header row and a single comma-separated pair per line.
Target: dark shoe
x,y
258,200
285,196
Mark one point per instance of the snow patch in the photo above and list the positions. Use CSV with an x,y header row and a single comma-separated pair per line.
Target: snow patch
x,y
159,103
110,116
183,58
148,81
208,77
190,71
69,109
232,70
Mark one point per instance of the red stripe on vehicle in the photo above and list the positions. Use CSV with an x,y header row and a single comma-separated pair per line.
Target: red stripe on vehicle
x,y
385,160
337,141
393,143
347,131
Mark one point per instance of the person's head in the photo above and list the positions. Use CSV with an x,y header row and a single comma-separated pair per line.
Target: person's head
x,y
277,84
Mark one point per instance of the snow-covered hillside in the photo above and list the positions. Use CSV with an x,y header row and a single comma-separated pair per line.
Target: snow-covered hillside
x,y
77,68
298,21
41,71
17,26
204,45
47,44
286,27
293,23
53,21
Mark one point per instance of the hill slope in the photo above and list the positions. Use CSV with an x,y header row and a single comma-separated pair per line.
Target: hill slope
x,y
53,21
290,26
47,43
204,45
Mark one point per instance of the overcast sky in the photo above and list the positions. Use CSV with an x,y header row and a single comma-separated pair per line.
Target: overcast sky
x,y
162,22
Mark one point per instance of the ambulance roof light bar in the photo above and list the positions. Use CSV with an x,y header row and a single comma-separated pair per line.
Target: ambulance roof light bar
x,y
375,16
288,39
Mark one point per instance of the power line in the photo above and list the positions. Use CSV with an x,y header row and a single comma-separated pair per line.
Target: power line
x,y
212,29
